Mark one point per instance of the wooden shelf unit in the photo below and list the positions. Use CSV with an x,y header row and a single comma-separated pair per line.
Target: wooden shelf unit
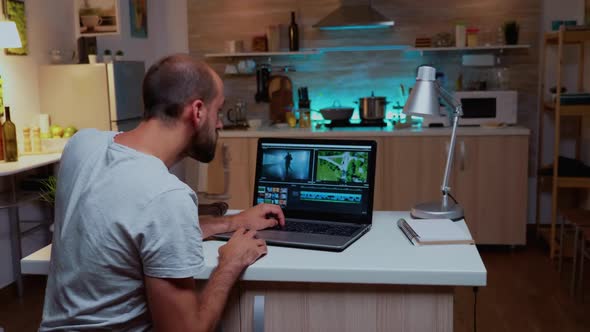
x,y
559,39
569,110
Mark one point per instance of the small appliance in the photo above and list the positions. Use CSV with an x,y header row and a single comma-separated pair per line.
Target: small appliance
x,y
484,107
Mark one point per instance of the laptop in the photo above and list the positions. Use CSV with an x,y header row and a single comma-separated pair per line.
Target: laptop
x,y
325,188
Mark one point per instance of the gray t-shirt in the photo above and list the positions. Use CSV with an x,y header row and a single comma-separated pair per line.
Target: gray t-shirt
x,y
119,216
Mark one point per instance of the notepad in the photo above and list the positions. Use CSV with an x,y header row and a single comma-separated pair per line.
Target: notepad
x,y
434,231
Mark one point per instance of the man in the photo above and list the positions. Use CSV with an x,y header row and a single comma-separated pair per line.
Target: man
x,y
127,241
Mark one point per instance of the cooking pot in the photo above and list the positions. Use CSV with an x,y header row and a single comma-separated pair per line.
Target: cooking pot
x,y
337,112
372,108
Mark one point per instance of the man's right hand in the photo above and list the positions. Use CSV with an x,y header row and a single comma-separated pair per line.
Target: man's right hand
x,y
242,250
175,305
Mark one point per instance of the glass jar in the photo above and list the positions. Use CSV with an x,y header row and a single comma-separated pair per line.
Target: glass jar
x,y
460,35
472,38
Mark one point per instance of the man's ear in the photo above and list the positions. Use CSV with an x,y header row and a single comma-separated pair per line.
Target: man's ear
x,y
197,112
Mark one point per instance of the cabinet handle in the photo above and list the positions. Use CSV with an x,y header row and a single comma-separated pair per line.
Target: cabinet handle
x,y
258,319
463,153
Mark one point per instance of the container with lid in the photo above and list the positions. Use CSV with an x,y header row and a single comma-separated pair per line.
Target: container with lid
x,y
472,40
460,34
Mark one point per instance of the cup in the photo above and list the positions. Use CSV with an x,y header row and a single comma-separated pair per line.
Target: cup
x,y
234,46
92,59
231,69
246,66
90,21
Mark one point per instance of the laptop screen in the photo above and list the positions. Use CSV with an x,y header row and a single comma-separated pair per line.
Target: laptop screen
x,y
317,179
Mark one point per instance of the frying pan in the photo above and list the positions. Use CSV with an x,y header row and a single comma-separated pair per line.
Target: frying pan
x,y
337,112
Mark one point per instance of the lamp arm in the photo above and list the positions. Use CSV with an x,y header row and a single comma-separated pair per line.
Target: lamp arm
x,y
457,112
451,101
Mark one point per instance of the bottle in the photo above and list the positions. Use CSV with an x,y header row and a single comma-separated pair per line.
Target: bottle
x,y
293,34
27,147
9,137
1,93
36,139
1,140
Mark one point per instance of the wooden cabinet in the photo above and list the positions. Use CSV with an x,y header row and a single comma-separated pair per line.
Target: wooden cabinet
x,y
413,168
241,162
489,178
490,181
307,307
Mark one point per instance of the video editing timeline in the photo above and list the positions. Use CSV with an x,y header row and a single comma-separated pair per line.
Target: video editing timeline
x,y
315,177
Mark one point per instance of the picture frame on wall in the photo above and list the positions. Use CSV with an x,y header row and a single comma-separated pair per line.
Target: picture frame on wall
x,y
138,18
96,18
15,11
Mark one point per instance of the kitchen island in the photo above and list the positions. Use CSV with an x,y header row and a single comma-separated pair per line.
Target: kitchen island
x,y
489,178
380,283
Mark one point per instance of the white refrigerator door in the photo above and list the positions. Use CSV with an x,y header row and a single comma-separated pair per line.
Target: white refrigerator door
x,y
75,95
125,79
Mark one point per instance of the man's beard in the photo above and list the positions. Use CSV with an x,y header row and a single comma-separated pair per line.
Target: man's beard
x,y
202,146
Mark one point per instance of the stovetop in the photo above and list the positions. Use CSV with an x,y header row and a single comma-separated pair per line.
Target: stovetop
x,y
363,123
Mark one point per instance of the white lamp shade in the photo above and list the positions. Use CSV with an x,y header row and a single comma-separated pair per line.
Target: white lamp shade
x,y
423,100
9,35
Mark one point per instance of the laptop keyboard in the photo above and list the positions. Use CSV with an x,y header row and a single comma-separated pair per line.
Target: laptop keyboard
x,y
303,227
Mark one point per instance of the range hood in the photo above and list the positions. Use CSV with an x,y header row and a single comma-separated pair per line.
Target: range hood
x,y
354,17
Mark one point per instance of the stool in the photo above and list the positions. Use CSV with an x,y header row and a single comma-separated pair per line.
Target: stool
x,y
580,220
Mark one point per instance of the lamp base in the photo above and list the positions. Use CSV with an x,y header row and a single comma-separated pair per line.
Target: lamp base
x,y
435,210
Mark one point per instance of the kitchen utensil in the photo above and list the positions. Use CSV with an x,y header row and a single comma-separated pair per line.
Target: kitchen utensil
x,y
275,82
337,112
238,115
372,108
262,84
281,100
304,101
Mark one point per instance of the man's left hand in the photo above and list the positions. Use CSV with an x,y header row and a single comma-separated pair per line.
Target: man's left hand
x,y
259,217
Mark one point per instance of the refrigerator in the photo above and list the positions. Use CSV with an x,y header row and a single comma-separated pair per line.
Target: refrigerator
x,y
102,96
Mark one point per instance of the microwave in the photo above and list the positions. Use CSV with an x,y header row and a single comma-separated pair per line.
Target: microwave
x,y
481,107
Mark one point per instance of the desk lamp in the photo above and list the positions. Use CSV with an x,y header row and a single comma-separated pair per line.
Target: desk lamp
x,y
423,101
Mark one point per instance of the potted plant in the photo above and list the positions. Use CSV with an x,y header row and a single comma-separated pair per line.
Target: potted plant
x,y
107,56
119,55
48,189
511,32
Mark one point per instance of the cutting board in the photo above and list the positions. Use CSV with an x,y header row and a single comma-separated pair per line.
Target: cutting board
x,y
280,91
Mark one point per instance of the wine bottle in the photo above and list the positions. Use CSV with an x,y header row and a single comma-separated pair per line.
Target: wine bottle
x,y
9,137
293,34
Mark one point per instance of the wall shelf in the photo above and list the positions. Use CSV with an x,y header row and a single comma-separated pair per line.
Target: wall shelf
x,y
569,110
260,54
367,48
462,49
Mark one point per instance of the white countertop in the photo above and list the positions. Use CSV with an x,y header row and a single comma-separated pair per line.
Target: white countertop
x,y
372,131
28,162
382,256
